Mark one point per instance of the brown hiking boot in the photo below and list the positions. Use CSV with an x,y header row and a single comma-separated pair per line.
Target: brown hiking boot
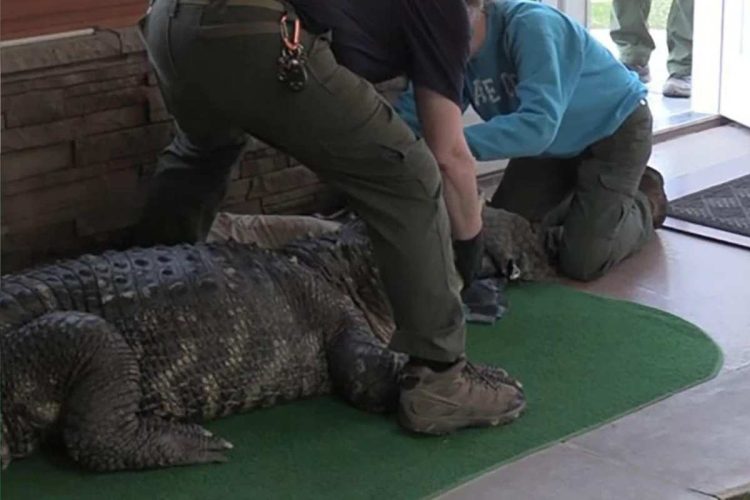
x,y
462,396
652,185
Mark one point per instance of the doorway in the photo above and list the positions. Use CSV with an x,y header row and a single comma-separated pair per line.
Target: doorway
x,y
705,28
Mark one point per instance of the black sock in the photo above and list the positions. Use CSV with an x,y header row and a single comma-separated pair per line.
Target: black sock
x,y
436,366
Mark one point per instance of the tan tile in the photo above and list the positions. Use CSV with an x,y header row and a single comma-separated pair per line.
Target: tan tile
x,y
566,472
699,438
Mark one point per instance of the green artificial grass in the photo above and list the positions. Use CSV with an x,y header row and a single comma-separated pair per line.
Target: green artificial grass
x,y
584,360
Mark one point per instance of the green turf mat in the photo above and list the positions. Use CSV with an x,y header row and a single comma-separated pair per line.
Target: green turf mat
x,y
583,359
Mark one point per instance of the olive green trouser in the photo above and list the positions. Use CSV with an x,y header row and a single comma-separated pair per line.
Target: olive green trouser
x,y
630,33
589,206
217,69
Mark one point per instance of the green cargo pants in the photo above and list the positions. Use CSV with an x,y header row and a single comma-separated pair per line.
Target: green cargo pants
x,y
589,206
630,33
217,68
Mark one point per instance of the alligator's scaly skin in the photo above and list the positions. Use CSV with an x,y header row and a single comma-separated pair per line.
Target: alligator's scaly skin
x,y
124,352
514,248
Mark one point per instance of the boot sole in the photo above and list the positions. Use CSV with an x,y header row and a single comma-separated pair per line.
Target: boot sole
x,y
448,425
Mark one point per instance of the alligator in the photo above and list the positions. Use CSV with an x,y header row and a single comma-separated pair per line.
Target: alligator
x,y
122,355
514,248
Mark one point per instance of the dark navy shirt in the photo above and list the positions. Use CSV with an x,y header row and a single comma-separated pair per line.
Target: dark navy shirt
x,y
427,40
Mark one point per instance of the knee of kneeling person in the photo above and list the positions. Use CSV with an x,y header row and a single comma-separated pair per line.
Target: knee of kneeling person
x,y
584,263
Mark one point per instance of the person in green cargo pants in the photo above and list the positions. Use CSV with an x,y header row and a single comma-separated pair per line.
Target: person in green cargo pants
x,y
298,75
630,33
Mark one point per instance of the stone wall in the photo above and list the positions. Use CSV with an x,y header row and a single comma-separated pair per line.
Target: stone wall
x,y
24,18
82,124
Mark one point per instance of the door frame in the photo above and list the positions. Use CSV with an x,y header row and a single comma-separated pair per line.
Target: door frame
x,y
735,62
577,9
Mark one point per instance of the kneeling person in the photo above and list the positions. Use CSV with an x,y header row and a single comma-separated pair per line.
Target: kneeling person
x,y
578,130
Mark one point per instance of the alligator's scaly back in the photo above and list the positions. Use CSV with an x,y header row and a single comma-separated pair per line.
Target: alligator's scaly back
x,y
123,350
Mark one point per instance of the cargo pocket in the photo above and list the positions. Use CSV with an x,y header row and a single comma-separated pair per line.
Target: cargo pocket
x,y
619,184
611,204
376,159
408,169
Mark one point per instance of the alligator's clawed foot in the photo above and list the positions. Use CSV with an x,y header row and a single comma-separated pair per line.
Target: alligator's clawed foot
x,y
185,444
4,452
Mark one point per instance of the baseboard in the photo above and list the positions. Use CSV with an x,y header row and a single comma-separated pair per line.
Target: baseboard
x,y
691,127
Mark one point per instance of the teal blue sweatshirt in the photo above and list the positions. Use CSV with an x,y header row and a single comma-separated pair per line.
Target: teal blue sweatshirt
x,y
542,84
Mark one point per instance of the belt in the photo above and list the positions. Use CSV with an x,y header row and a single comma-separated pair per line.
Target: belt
x,y
229,30
266,4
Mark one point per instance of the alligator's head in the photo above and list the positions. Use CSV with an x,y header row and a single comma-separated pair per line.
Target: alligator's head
x,y
345,257
514,249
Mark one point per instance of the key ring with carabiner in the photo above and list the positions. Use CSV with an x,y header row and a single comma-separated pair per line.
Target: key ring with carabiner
x,y
292,44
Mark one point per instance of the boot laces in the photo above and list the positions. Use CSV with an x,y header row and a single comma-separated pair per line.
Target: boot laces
x,y
474,373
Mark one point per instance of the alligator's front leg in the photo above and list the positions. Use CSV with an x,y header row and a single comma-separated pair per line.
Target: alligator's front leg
x,y
363,370
100,424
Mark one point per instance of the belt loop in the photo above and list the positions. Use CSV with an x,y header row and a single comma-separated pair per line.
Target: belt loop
x,y
173,8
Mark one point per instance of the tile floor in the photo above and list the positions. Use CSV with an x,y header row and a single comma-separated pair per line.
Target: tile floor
x,y
695,444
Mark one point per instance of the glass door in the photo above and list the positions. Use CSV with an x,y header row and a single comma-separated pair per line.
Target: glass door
x,y
577,9
734,102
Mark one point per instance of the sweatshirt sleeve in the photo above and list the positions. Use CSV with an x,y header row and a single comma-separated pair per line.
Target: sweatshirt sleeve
x,y
548,55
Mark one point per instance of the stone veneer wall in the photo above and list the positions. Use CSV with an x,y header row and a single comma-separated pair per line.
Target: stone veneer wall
x,y
82,124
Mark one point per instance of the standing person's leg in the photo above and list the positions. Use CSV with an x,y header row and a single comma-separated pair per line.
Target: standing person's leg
x,y
680,44
190,181
609,217
339,127
629,30
342,129
192,173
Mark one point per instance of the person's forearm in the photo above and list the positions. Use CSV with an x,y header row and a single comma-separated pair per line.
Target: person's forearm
x,y
443,131
462,199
